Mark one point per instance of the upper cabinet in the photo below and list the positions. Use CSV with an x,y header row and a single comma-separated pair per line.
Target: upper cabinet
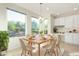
x,y
59,21
68,22
76,21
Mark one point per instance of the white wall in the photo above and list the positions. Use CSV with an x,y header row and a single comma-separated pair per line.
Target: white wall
x,y
13,43
3,21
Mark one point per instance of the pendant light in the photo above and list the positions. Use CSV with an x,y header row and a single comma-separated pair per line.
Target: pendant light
x,y
41,18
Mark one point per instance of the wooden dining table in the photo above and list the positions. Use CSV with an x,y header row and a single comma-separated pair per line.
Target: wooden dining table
x,y
38,42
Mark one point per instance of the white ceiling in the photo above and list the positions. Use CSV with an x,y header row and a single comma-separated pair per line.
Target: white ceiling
x,y
54,8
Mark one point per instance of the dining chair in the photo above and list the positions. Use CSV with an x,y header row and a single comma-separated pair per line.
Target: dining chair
x,y
54,46
58,49
57,46
25,47
50,49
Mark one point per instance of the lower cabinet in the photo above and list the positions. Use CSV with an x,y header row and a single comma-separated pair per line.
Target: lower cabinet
x,y
68,38
72,38
76,38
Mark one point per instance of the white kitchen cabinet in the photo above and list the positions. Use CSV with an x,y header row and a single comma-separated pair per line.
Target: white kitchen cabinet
x,y
68,22
72,38
76,21
59,21
68,38
75,38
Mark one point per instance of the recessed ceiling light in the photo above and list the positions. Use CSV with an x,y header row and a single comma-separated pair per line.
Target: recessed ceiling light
x,y
75,9
47,9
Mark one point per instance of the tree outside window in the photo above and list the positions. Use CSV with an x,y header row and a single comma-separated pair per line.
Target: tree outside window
x,y
16,23
39,26
35,25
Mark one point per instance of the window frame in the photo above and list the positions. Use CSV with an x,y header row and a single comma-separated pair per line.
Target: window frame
x,y
24,20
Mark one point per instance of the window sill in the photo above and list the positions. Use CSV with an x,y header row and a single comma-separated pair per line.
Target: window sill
x,y
17,37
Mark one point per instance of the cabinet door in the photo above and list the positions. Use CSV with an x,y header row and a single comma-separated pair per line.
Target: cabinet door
x,y
68,22
59,21
56,22
76,21
75,38
68,38
62,21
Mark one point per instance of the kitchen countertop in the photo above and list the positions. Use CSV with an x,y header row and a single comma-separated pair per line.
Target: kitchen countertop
x,y
59,33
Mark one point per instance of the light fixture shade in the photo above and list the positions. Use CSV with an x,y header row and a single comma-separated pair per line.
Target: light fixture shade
x,y
40,18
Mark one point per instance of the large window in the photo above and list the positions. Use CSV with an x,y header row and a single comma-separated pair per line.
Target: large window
x,y
16,23
39,26
35,25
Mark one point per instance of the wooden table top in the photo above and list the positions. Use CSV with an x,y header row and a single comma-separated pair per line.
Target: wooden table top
x,y
40,41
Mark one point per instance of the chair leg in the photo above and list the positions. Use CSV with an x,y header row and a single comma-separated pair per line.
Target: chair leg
x,y
46,52
25,53
22,53
56,52
30,53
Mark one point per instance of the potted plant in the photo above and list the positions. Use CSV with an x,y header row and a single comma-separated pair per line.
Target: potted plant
x,y
4,39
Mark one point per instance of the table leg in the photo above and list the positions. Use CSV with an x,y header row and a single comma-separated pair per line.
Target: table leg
x,y
39,49
30,49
